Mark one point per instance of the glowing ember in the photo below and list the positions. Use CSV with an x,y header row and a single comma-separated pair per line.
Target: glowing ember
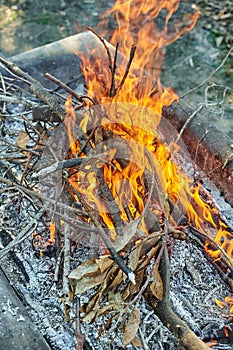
x,y
227,305
52,229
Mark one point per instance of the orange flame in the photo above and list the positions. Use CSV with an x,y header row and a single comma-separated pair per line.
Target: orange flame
x,y
135,116
137,26
52,229
227,305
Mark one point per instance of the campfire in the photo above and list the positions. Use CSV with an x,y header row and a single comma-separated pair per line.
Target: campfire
x,y
113,170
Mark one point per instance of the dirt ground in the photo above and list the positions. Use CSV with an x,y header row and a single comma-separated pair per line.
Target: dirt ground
x,y
26,24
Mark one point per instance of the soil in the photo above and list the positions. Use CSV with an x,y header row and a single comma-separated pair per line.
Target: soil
x,y
26,24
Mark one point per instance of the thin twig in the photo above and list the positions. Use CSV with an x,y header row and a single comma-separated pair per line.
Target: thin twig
x,y
215,244
57,267
19,147
106,48
151,188
113,71
97,124
19,100
66,267
35,86
25,233
131,57
64,86
209,76
80,337
43,198
68,163
145,346
110,203
4,90
117,258
196,152
187,122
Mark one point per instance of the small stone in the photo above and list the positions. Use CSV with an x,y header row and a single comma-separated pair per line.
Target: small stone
x,y
20,318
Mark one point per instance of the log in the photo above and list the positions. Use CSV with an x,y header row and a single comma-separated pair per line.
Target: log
x,y
17,331
214,155
59,58
187,339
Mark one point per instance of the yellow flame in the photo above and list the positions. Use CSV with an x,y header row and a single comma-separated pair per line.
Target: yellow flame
x,y
227,304
137,113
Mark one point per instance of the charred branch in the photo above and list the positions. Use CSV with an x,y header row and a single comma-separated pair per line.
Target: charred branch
x,y
188,340
215,154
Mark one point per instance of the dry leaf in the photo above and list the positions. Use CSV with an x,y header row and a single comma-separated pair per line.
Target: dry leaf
x,y
117,280
87,276
106,325
136,342
134,288
115,298
148,258
89,267
88,282
104,309
22,139
150,242
90,316
127,234
92,303
104,263
131,327
134,257
157,285
126,292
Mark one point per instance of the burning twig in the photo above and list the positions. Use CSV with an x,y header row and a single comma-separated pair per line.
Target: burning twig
x,y
112,207
132,53
111,67
225,271
69,163
103,235
215,245
113,71
153,183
